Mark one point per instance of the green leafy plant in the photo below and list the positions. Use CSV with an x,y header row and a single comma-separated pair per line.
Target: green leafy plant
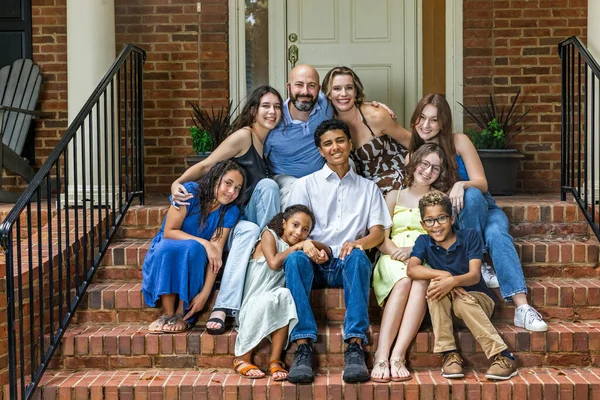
x,y
498,125
211,128
201,140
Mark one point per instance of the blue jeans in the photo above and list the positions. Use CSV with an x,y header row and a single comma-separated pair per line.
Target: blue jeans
x,y
353,274
482,214
261,208
264,203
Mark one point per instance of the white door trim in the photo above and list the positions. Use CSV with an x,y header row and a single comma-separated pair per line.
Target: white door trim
x,y
412,24
454,60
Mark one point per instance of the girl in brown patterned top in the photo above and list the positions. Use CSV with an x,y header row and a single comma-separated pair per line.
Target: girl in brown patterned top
x,y
379,142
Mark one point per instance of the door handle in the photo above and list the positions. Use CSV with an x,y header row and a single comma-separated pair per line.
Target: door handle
x,y
293,55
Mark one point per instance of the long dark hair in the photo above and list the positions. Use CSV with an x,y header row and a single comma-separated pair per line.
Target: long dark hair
x,y
358,86
248,114
443,182
207,186
446,137
276,223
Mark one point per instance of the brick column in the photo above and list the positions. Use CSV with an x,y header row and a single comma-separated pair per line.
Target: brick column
x,y
90,53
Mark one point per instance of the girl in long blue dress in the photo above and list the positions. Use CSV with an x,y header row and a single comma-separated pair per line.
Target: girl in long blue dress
x,y
185,256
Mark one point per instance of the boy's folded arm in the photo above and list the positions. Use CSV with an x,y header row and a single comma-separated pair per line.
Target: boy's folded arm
x,y
472,277
415,270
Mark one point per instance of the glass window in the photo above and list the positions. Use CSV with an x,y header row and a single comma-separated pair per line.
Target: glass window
x,y
257,43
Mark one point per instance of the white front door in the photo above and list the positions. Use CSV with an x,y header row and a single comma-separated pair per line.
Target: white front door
x,y
369,36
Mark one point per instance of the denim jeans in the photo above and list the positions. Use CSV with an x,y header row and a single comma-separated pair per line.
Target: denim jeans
x,y
261,208
353,274
482,214
264,203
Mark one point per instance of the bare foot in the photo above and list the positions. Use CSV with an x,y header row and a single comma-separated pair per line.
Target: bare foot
x,y
176,324
239,365
398,369
157,326
218,315
381,371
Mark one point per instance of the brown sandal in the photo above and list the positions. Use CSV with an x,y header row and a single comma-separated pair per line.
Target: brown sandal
x,y
160,323
244,370
398,364
277,366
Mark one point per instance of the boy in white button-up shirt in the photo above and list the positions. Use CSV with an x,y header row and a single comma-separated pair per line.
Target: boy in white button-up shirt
x,y
351,216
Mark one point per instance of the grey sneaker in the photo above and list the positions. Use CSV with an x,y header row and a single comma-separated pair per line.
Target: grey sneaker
x,y
452,366
355,369
489,276
502,368
302,367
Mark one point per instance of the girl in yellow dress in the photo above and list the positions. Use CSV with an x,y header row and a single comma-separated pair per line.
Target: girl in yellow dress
x,y
404,299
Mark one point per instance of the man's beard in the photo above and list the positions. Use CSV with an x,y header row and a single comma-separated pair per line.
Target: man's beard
x,y
303,105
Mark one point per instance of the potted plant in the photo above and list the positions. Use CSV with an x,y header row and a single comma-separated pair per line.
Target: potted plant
x,y
498,126
209,130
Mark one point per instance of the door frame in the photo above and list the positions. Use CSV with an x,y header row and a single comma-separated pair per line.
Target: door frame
x,y
413,67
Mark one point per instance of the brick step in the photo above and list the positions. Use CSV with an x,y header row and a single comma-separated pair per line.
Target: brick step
x,y
539,215
544,258
534,383
132,346
555,299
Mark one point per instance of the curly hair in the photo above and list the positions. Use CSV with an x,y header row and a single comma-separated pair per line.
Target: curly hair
x,y
207,187
435,198
248,114
443,182
327,85
445,136
333,124
276,223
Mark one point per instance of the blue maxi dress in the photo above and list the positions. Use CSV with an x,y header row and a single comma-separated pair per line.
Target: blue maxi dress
x,y
178,266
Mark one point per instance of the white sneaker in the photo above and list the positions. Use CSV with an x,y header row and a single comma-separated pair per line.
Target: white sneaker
x,y
527,317
489,276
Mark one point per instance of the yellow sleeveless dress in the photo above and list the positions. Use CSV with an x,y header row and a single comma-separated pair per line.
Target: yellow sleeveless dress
x,y
406,229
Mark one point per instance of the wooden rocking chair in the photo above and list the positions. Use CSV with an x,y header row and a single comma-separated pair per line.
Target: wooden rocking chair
x,y
20,85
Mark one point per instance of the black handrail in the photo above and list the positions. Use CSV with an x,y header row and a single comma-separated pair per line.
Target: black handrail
x,y
66,218
579,131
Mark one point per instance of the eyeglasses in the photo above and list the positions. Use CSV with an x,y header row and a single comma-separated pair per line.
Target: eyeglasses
x,y
442,219
434,168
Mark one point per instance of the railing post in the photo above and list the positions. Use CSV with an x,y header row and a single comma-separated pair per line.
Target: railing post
x,y
563,113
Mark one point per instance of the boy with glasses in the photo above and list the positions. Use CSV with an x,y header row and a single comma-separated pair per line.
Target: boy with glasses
x,y
456,287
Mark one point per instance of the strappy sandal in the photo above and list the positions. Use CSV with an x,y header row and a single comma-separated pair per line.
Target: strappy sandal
x,y
174,320
398,363
381,364
218,331
244,370
160,322
277,366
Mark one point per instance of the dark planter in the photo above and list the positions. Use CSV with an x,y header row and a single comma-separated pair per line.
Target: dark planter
x,y
501,167
196,158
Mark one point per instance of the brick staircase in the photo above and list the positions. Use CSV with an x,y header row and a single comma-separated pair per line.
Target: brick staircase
x,y
108,353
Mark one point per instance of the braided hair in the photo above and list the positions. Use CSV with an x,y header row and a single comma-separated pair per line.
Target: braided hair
x,y
276,223
207,188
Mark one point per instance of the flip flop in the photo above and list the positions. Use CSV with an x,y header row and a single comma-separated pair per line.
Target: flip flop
x,y
381,364
220,330
397,363
244,370
278,367
174,320
160,322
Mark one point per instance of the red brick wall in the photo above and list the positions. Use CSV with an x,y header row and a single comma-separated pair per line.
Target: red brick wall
x,y
512,44
187,59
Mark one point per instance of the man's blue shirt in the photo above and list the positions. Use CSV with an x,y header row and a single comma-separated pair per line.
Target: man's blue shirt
x,y
290,147
468,246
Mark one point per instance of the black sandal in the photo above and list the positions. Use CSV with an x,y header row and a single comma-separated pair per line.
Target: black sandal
x,y
220,330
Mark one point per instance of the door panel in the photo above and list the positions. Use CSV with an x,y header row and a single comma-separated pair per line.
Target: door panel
x,y
15,31
364,35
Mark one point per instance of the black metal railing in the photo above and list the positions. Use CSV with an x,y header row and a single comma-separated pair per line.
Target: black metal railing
x,y
60,228
580,142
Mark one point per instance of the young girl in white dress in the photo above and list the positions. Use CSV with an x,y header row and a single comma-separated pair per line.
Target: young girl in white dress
x,y
268,309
